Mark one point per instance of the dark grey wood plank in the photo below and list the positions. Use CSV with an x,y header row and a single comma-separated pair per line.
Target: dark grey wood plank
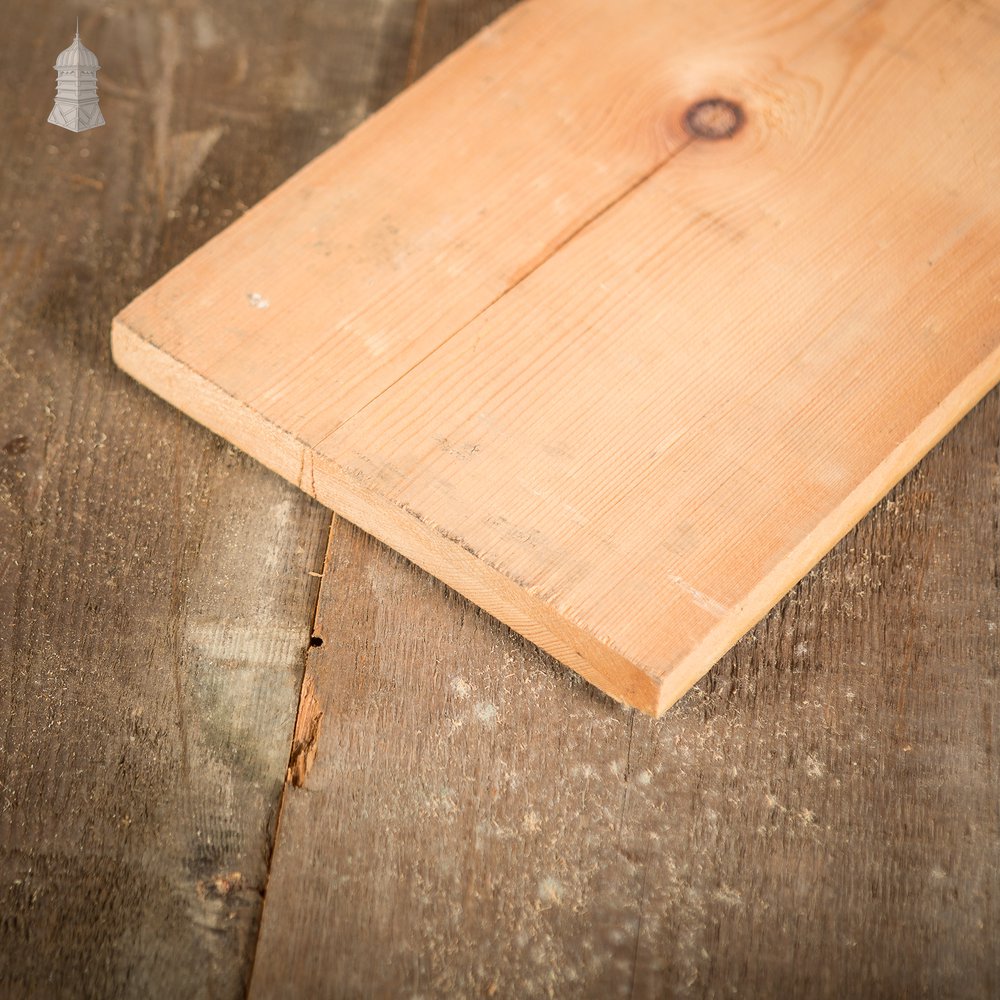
x,y
155,588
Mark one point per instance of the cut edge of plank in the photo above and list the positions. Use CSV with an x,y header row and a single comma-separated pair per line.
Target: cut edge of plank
x,y
800,560
424,544
446,558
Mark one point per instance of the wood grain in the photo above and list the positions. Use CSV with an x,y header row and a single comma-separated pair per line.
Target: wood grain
x,y
619,384
816,818
155,596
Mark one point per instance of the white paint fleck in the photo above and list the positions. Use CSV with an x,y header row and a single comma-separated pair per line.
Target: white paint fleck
x,y
461,687
257,300
728,895
814,768
445,802
800,650
300,89
205,33
832,474
486,713
550,891
378,343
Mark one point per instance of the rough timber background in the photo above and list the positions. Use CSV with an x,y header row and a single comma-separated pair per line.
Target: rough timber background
x,y
818,817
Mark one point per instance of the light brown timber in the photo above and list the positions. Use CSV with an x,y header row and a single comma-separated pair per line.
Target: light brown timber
x,y
619,384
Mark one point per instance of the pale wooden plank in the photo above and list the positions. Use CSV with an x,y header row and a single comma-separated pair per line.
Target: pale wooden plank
x,y
631,454
155,596
544,120
696,398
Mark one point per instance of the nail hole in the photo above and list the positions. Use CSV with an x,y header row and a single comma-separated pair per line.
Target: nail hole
x,y
315,640
714,118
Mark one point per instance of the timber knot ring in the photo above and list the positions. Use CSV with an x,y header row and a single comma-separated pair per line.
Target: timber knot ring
x,y
713,118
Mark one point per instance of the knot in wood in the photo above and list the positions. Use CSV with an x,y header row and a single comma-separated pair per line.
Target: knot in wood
x,y
714,118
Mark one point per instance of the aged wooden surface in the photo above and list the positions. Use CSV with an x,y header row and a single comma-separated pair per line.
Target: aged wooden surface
x,y
818,817
615,366
155,596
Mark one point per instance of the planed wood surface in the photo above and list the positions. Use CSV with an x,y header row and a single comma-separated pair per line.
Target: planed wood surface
x,y
155,596
617,381
817,818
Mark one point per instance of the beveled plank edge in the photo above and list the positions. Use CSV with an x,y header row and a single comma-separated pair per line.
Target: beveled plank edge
x,y
424,544
446,558
802,558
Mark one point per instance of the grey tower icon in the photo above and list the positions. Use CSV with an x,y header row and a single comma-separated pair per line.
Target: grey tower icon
x,y
76,106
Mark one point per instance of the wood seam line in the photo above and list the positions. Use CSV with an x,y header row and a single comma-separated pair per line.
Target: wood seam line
x,y
413,55
300,713
178,667
302,709
527,273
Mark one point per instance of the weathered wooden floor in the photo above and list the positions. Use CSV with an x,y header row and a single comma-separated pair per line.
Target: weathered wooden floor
x,y
819,817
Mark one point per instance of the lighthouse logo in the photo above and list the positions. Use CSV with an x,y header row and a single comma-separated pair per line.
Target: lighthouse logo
x,y
76,106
